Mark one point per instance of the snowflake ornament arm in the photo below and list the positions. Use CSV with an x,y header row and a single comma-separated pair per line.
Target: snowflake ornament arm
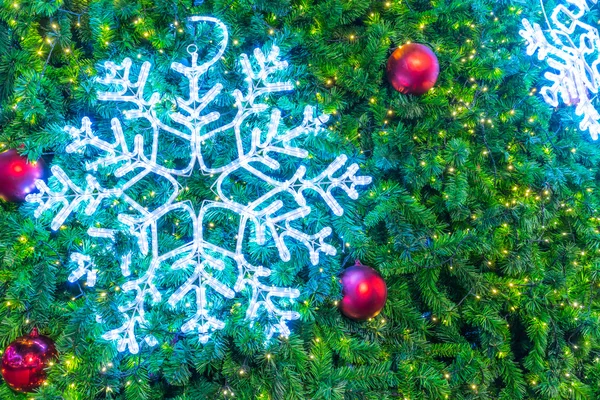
x,y
203,262
575,78
48,199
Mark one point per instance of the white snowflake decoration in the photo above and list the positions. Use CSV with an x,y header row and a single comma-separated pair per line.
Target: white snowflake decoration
x,y
198,256
573,77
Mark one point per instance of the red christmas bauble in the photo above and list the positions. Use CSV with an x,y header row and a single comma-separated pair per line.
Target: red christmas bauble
x,y
24,361
364,292
18,176
413,69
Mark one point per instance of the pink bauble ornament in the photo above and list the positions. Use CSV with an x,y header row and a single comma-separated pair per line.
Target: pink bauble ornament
x,y
18,176
364,292
25,359
413,69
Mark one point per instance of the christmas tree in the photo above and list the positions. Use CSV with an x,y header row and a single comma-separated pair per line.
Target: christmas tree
x,y
214,166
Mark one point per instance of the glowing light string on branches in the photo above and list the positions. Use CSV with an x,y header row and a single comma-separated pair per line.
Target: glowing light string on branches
x,y
570,47
205,262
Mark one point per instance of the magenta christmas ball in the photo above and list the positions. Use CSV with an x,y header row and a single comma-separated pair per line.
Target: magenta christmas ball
x,y
18,176
413,69
364,292
24,361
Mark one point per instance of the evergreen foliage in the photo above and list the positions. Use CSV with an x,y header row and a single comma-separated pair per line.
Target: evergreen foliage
x,y
482,216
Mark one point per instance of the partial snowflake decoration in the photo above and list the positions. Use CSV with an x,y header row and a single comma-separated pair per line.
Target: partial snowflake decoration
x,y
121,170
570,47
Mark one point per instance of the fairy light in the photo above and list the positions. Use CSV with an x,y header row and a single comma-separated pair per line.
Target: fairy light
x,y
572,76
199,256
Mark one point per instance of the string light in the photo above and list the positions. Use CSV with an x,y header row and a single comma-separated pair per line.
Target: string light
x,y
199,256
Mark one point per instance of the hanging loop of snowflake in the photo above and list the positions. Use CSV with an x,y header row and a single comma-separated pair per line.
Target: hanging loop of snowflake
x,y
118,176
570,47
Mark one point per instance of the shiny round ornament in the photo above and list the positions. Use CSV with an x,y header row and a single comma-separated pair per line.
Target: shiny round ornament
x,y
18,176
364,292
413,69
25,359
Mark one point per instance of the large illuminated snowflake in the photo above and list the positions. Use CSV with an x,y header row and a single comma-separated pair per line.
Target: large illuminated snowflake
x,y
261,138
570,47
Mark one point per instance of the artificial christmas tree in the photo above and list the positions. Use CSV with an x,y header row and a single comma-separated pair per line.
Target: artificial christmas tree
x,y
481,215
